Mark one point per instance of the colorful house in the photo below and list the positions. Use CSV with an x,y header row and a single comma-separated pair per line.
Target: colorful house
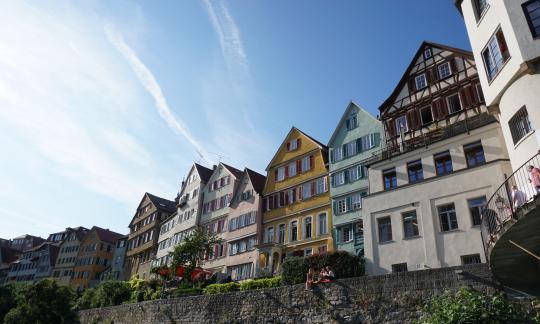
x,y
356,137
297,217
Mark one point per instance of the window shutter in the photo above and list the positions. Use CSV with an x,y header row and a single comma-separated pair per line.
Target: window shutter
x,y
346,176
474,100
281,199
453,65
464,94
293,196
276,174
325,183
310,162
298,142
286,197
429,77
335,208
332,155
412,85
288,146
434,74
270,202
298,166
348,124
344,150
264,203
376,139
313,188
349,203
359,145
286,171
300,192
391,128
410,120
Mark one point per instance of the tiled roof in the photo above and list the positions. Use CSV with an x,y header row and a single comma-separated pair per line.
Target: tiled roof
x,y
237,173
204,172
8,255
107,235
257,179
162,203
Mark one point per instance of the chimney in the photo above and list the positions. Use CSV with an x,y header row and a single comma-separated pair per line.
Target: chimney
x,y
214,167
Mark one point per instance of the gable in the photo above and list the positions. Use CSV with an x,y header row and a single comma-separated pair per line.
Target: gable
x,y
352,110
306,144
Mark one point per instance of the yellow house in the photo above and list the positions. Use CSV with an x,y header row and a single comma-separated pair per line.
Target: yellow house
x,y
297,217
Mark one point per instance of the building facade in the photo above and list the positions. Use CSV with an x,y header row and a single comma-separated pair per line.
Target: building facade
x,y
356,136
244,226
297,217
7,257
35,264
94,257
26,242
217,197
118,270
67,255
183,222
505,38
444,156
144,233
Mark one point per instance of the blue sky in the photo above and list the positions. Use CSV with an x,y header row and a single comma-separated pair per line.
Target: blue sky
x,y
101,101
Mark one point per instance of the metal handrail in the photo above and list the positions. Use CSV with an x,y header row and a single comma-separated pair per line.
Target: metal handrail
x,y
503,205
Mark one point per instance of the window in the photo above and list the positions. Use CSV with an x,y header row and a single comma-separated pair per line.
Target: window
x,y
414,169
426,115
475,208
306,164
307,227
532,13
269,238
480,6
519,124
292,145
342,206
399,267
306,190
337,154
350,148
294,231
281,233
308,251
322,224
444,70
401,124
354,173
495,54
470,259
454,104
390,179
281,174
385,229
447,216
321,185
427,53
480,93
339,178
368,141
443,163
351,123
292,169
474,153
420,81
356,201
410,224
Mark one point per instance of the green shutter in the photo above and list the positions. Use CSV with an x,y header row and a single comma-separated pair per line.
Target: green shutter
x,y
335,208
349,203
344,151
359,145
377,139
346,176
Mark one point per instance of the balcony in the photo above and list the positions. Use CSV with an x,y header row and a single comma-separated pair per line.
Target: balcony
x,y
392,150
510,228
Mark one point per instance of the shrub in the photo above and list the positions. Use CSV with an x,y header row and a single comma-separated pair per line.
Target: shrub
x,y
344,265
111,293
470,306
184,292
260,283
7,300
221,288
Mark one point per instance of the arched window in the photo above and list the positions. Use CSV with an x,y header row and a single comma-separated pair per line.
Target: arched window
x,y
322,224
307,227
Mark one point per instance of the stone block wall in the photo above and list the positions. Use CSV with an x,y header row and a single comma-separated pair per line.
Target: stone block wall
x,y
392,298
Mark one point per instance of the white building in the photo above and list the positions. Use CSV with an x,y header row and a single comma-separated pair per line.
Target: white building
x,y
444,157
505,38
184,221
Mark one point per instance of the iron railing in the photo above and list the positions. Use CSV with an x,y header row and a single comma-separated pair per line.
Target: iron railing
x,y
517,190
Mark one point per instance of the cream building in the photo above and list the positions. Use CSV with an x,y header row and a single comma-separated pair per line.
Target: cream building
x,y
505,38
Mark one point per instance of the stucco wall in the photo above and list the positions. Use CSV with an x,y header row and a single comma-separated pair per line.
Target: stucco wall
x,y
396,298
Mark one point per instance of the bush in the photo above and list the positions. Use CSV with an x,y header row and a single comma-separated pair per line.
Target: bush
x,y
344,265
184,292
221,288
7,300
260,283
470,306
111,293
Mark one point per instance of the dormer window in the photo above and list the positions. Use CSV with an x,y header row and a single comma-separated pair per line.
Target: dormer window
x,y
351,122
420,81
293,144
427,53
444,70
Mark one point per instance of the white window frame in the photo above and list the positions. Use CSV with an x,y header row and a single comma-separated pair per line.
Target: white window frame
x,y
422,119
281,174
441,68
305,223
356,204
351,124
339,178
338,153
291,230
292,169
319,229
428,52
341,205
351,148
398,124
305,163
460,103
267,238
348,229
422,79
293,145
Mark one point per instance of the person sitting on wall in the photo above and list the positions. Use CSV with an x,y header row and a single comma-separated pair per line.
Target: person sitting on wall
x,y
309,279
323,275
330,274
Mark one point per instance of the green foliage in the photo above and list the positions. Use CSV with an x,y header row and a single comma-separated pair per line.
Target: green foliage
x,y
43,302
221,288
184,292
7,300
344,265
470,306
192,251
260,283
294,270
164,272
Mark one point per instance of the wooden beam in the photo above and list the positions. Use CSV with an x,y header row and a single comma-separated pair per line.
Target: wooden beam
x,y
525,250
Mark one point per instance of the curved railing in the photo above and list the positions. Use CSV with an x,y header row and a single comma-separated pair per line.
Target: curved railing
x,y
503,205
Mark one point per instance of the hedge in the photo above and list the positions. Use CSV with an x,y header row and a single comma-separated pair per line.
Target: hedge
x,y
344,265
260,283
221,288
184,292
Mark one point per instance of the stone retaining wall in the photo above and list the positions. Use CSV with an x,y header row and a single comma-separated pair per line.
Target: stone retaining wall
x,y
392,298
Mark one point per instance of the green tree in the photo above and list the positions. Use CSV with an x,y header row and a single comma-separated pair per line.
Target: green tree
x,y
7,300
43,302
191,253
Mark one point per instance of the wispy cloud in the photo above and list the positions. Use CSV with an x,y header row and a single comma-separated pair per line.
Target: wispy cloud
x,y
146,77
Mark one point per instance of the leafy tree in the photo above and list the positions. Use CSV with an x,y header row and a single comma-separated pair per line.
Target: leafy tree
x,y
470,306
192,252
43,302
7,300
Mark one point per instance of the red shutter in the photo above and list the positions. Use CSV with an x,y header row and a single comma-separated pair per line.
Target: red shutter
x,y
434,74
313,188
288,146
276,175
391,128
216,251
412,119
270,202
310,162
293,196
298,166
281,199
473,96
298,142
286,171
443,107
300,192
464,94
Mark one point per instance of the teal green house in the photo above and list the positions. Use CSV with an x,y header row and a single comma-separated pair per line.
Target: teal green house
x,y
356,137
